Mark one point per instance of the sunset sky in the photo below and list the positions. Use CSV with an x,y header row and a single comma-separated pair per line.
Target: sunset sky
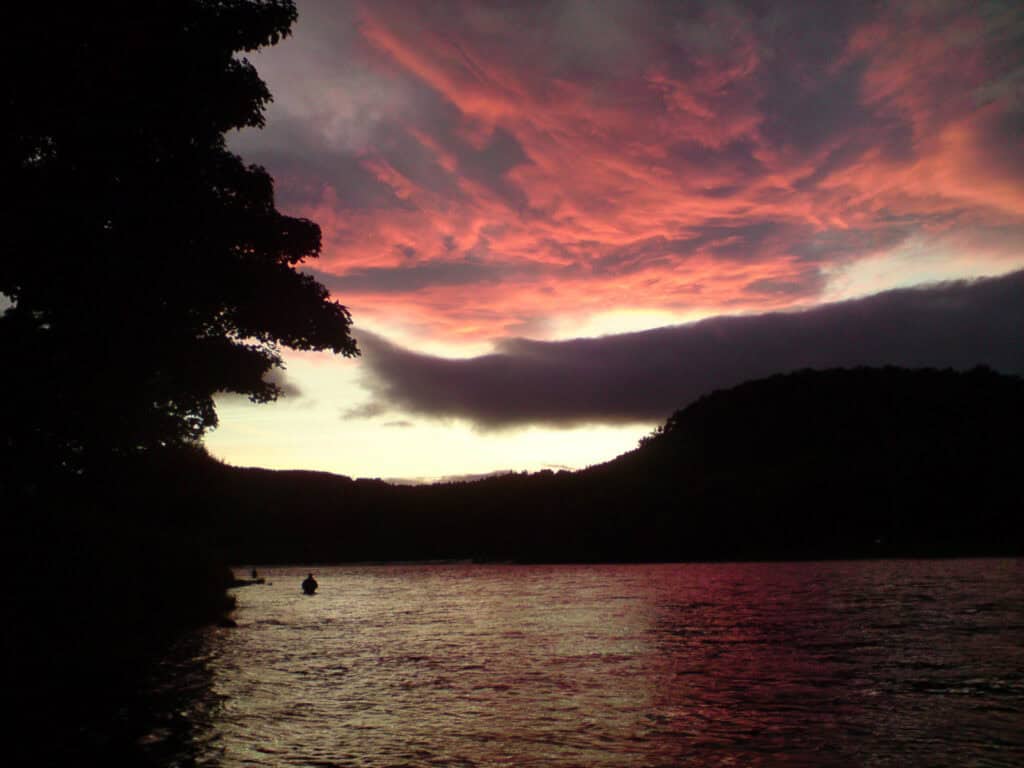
x,y
556,222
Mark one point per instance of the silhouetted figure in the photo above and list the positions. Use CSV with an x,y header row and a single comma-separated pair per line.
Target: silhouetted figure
x,y
309,585
254,574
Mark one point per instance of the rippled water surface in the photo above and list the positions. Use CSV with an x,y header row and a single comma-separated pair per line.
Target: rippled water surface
x,y
881,663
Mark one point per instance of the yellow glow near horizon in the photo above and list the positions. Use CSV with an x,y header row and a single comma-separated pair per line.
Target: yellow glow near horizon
x,y
413,451
322,429
313,431
918,262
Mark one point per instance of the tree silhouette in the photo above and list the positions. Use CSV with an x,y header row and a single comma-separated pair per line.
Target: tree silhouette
x,y
146,265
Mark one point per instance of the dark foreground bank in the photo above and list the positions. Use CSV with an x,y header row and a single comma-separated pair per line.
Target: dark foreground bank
x,y
104,574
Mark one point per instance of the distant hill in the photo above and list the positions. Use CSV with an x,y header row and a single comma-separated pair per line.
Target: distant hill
x,y
812,464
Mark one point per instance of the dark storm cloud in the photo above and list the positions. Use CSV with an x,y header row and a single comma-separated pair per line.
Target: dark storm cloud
x,y
728,240
353,185
807,283
307,152
639,255
724,191
411,277
806,115
742,239
1004,135
489,165
737,157
840,244
500,155
893,139
303,162
806,110
416,162
645,376
415,275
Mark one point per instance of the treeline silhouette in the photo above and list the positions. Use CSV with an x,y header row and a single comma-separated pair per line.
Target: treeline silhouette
x,y
830,464
145,269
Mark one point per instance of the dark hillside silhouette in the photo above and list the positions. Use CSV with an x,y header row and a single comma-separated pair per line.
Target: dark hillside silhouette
x,y
839,463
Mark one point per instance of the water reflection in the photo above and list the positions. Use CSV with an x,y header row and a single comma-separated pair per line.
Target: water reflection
x,y
827,664
175,713
757,672
167,717
859,665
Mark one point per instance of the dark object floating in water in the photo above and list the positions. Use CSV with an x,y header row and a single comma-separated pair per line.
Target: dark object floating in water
x,y
247,582
309,585
226,622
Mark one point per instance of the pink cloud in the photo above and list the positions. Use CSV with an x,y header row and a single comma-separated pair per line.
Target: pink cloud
x,y
577,159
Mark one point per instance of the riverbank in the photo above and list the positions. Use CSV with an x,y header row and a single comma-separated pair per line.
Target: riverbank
x,y
102,580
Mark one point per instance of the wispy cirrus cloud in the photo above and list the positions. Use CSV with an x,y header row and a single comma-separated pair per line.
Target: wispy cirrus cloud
x,y
480,167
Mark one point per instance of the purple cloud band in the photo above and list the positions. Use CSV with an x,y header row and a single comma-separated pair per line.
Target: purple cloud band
x,y
643,377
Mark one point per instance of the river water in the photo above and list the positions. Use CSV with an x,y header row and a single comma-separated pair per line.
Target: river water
x,y
876,663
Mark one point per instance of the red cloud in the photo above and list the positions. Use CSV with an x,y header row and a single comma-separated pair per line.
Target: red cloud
x,y
558,161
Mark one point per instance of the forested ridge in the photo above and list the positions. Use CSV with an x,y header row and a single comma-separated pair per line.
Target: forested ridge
x,y
812,464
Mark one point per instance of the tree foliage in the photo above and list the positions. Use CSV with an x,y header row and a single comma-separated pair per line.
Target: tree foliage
x,y
147,264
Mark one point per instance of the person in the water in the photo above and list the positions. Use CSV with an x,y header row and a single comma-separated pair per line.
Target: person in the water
x,y
309,585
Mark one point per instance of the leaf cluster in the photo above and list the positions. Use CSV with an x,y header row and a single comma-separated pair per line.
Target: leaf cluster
x,y
146,265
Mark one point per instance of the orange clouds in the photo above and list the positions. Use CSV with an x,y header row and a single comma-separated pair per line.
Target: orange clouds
x,y
513,165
